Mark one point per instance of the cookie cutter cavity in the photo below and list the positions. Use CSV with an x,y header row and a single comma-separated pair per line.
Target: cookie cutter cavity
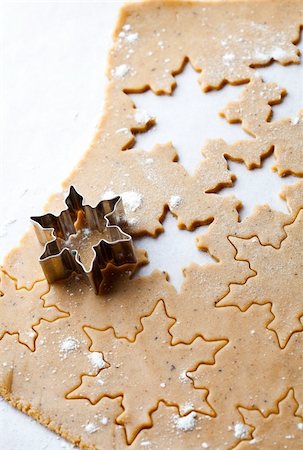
x,y
59,259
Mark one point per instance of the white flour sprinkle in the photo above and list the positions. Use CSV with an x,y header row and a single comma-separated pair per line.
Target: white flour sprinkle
x,y
260,56
131,200
142,116
132,37
108,195
120,71
204,445
31,333
186,407
126,27
175,201
278,53
300,426
122,130
183,377
145,443
241,430
228,57
162,385
96,360
104,420
132,221
69,345
295,120
186,423
91,428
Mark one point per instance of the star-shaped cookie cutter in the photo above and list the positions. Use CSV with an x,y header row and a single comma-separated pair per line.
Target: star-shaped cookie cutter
x,y
59,260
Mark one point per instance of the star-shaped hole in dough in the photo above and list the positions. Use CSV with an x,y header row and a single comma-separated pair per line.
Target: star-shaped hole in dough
x,y
191,131
278,279
282,429
22,310
146,371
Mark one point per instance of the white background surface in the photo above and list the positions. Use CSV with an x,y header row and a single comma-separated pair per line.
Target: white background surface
x,y
53,87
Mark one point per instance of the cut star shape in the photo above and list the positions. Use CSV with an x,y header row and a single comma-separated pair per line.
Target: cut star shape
x,y
277,280
22,310
156,371
84,239
284,425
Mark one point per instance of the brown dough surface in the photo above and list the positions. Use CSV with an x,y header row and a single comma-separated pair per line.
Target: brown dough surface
x,y
218,365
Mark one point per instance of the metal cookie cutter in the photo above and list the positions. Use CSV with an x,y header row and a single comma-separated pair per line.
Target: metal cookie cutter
x,y
84,239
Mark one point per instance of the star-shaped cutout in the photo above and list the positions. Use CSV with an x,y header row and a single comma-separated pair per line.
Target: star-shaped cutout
x,y
21,311
156,370
277,280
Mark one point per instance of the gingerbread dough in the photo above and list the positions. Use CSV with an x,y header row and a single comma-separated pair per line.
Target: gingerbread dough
x,y
219,364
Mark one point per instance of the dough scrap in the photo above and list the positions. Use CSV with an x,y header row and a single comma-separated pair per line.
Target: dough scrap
x,y
254,112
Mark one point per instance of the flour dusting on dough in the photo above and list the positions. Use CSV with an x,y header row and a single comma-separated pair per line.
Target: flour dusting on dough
x,y
241,431
131,200
91,428
175,201
142,117
119,72
96,360
186,423
69,345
